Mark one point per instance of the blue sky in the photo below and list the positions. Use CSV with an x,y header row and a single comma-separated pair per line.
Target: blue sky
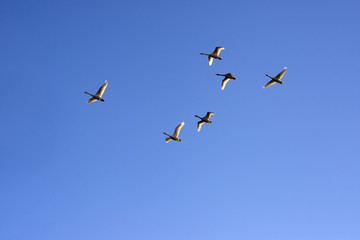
x,y
276,163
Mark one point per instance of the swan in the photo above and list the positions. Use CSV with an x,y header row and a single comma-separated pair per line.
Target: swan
x,y
204,120
99,93
175,135
214,54
227,76
275,79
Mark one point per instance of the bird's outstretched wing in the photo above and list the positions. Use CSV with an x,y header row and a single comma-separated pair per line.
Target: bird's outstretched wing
x,y
208,115
280,75
224,82
101,90
210,60
200,123
92,100
272,82
177,129
168,140
218,50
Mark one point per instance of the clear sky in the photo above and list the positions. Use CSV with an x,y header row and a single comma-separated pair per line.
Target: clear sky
x,y
278,163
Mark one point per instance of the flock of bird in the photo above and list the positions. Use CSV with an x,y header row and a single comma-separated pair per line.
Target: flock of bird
x,y
214,55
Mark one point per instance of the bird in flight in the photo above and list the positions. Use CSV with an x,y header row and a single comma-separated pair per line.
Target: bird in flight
x,y
99,93
175,135
204,120
214,54
227,77
275,79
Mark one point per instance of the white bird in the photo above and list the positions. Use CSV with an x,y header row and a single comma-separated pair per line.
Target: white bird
x,y
204,120
275,79
214,54
227,76
175,135
99,93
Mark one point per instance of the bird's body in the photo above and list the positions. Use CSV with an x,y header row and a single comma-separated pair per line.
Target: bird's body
x,y
99,93
227,77
276,79
175,135
214,54
204,119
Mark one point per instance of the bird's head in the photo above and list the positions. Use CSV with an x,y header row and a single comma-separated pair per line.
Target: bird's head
x,y
102,100
220,58
210,121
179,140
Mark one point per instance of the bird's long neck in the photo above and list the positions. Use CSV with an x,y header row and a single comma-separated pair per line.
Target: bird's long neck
x,y
166,134
205,54
270,77
198,117
89,94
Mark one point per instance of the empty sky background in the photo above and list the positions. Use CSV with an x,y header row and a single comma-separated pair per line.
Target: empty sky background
x,y
277,163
